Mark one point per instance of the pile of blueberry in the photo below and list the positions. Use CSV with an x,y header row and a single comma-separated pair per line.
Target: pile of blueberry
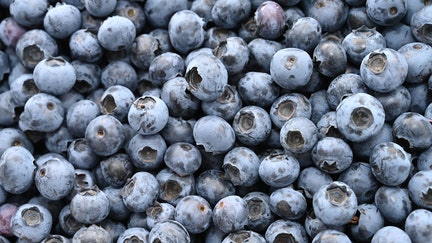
x,y
215,121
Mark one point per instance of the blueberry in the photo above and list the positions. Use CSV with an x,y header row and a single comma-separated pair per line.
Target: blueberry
x,y
134,233
116,33
261,52
22,88
166,66
244,236
29,13
116,169
144,186
226,106
291,68
79,116
119,73
34,46
118,210
84,46
292,14
416,55
92,233
424,160
241,166
383,70
279,170
169,231
216,35
178,99
311,179
54,75
332,155
361,42
105,135
314,226
390,163
305,33
182,158
14,137
417,225
270,20
56,238
288,106
159,212
257,88
360,179
194,213
90,206
10,31
8,107
412,130
298,135
174,187
186,39
116,101
67,222
216,143
329,57
203,9
386,13
393,203
88,76
420,189
394,102
284,231
288,203
55,178
260,215
178,130
162,36
32,222
62,20
7,210
391,233
230,214
146,151
213,186
335,203
398,35
228,14
420,24
330,14
369,221
234,54
143,50
100,8
357,17
132,11
17,170
252,125
334,235
158,12
207,77
359,117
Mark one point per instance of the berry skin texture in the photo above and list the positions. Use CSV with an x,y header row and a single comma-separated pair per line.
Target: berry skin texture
x,y
417,225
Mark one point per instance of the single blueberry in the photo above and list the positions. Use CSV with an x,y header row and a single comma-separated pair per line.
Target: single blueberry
x,y
335,203
148,115
230,214
284,231
105,135
195,213
187,39
32,222
393,203
174,187
252,125
391,233
116,33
